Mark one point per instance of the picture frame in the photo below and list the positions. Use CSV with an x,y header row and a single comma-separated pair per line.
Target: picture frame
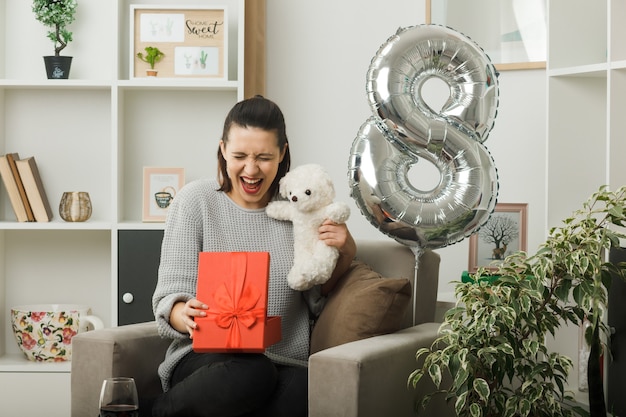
x,y
160,186
194,41
513,34
504,233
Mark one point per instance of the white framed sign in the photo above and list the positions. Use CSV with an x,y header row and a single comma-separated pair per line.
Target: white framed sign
x,y
194,41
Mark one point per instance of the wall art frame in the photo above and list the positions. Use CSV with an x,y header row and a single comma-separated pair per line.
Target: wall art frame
x,y
512,33
504,233
160,186
193,39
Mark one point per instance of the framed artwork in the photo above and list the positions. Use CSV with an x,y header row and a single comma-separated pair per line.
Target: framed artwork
x,y
503,234
512,33
160,186
194,41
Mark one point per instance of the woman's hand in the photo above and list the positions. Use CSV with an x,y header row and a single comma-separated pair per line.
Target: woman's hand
x,y
339,236
183,314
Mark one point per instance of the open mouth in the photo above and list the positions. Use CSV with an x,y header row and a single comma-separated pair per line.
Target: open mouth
x,y
251,186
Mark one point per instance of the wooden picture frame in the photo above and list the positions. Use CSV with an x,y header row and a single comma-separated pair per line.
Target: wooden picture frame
x,y
193,39
513,38
504,233
160,186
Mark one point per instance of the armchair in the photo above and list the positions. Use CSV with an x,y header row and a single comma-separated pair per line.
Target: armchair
x,y
358,379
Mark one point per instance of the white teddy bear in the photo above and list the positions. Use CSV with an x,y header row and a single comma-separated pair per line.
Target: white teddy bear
x,y
309,192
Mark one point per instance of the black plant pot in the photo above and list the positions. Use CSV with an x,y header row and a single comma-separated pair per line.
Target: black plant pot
x,y
58,67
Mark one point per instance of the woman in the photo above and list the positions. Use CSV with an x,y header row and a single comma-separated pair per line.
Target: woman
x,y
229,215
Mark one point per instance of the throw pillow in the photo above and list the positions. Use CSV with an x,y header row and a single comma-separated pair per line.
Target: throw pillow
x,y
363,304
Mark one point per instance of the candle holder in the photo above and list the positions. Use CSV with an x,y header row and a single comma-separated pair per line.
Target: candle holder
x,y
75,206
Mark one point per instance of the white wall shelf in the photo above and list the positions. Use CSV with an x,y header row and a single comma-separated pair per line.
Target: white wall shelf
x,y
591,70
16,363
179,84
56,224
586,81
93,132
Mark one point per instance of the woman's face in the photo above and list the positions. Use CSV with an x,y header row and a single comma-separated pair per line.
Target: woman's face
x,y
252,157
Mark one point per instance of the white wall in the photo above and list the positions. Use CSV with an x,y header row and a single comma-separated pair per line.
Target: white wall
x,y
318,54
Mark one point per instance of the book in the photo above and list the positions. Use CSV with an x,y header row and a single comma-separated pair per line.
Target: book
x,y
12,157
35,191
12,189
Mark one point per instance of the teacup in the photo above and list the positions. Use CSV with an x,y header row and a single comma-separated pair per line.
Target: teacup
x,y
44,331
163,199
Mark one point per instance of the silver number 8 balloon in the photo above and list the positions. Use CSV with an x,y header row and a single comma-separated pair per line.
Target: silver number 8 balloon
x,y
404,129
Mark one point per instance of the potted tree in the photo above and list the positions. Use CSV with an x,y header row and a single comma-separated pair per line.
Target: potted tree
x,y
152,56
492,345
56,15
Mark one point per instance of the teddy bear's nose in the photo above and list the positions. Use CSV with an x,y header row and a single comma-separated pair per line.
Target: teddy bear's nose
x,y
294,198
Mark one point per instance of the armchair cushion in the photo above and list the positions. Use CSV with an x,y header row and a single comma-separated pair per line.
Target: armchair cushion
x,y
362,305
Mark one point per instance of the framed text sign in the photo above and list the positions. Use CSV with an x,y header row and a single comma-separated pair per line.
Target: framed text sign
x,y
194,41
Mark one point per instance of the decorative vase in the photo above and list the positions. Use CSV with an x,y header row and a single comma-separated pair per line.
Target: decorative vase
x,y
44,331
75,206
58,67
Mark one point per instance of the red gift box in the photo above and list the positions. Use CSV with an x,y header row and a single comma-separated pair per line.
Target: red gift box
x,y
234,285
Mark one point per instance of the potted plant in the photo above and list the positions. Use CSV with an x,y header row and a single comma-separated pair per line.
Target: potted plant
x,y
492,346
56,15
203,57
152,56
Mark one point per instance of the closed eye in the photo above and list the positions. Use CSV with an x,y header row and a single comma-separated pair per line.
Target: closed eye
x,y
261,157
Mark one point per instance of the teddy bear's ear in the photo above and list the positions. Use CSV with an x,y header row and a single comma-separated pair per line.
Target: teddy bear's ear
x,y
329,189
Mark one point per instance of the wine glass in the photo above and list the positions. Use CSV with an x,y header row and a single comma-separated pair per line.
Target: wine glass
x,y
118,398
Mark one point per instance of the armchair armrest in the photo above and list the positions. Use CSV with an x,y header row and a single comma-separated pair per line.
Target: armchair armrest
x,y
368,378
134,350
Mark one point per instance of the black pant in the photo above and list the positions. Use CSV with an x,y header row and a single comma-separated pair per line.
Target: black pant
x,y
229,385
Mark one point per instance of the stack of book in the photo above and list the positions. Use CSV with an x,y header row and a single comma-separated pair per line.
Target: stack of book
x,y
25,189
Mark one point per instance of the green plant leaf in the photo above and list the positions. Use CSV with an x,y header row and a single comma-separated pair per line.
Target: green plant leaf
x,y
482,389
434,371
462,358
510,409
524,407
532,346
425,401
563,289
459,404
506,349
415,377
460,379
421,352
475,410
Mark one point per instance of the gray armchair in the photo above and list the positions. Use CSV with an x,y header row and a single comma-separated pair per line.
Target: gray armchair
x,y
358,379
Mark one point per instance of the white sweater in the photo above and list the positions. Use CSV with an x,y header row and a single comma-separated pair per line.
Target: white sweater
x,y
201,219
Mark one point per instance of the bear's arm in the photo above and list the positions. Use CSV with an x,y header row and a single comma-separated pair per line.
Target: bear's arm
x,y
337,212
280,210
